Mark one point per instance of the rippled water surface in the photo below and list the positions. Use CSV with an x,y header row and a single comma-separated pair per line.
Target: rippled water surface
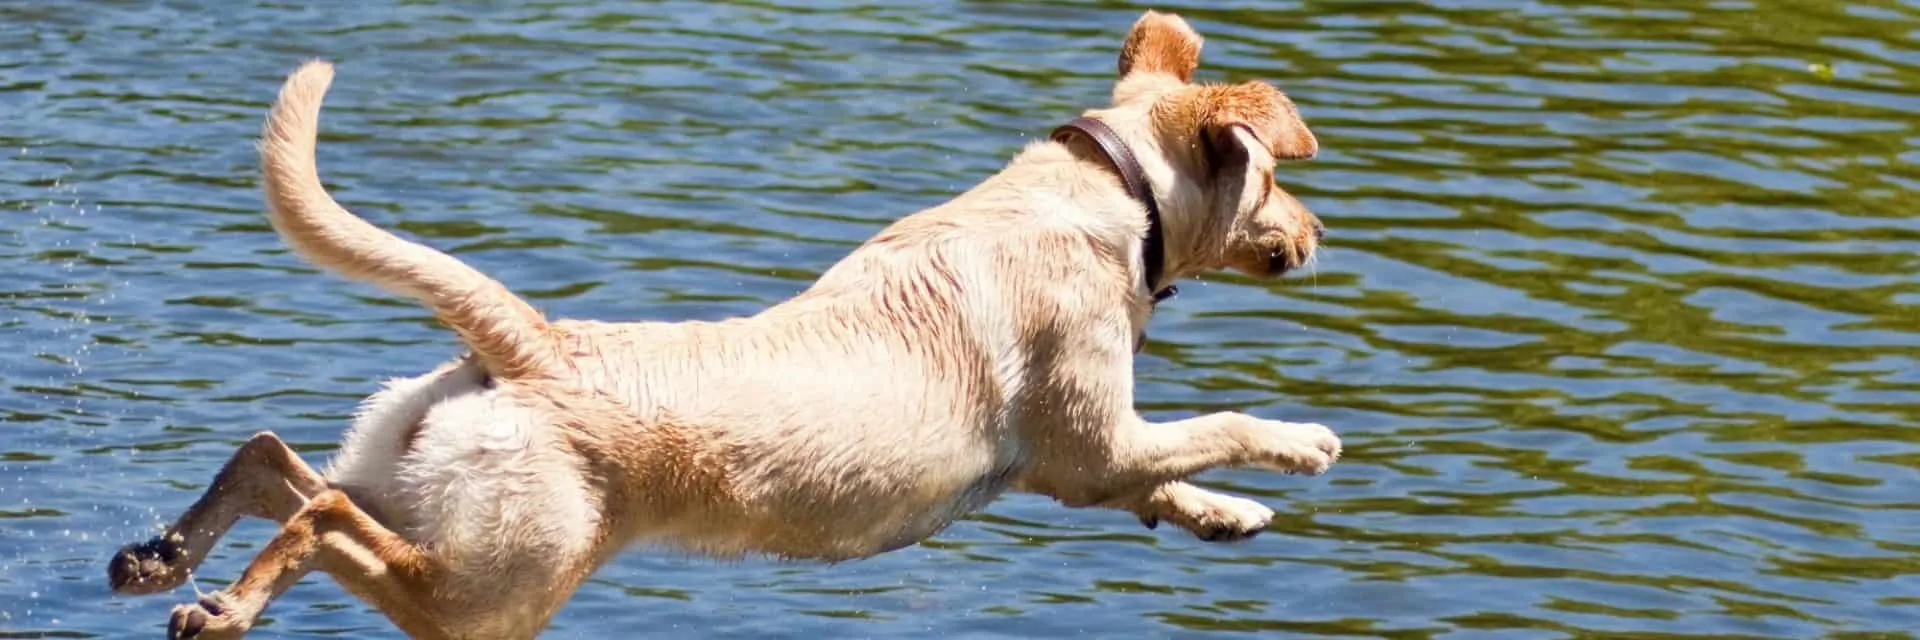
x,y
1619,319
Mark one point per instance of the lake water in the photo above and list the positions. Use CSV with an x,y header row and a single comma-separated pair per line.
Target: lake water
x,y
1619,316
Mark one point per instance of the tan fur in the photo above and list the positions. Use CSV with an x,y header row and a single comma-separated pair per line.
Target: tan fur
x,y
1160,43
980,346
502,330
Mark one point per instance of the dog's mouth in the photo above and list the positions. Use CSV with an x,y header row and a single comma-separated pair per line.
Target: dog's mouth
x,y
1280,247
1282,261
1285,260
1294,255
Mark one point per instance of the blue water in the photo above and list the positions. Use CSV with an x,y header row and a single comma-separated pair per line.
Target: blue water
x,y
1619,316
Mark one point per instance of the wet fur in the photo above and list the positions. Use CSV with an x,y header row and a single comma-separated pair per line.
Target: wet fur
x,y
980,346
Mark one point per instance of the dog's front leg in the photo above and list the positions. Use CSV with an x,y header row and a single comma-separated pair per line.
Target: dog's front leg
x,y
1140,467
263,479
1210,516
1149,454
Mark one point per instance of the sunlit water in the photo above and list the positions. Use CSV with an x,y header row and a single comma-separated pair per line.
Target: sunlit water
x,y
1620,316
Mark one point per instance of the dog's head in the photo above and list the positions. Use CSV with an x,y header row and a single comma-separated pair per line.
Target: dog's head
x,y
1211,150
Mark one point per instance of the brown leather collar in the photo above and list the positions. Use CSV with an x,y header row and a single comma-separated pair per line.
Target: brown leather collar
x,y
1153,250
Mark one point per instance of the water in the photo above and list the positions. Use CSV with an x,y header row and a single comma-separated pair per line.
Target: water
x,y
1619,318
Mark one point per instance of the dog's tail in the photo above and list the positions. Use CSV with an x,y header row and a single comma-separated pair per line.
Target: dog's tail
x,y
508,336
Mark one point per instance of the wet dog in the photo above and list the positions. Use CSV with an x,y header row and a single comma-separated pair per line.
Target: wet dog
x,y
981,346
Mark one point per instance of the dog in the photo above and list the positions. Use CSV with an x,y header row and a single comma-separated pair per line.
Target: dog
x,y
980,346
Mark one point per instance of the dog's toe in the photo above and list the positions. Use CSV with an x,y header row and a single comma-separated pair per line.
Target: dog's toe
x,y
1220,518
187,622
1227,534
208,619
146,567
123,569
1237,527
1308,448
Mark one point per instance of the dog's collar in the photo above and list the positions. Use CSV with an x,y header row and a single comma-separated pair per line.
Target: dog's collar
x,y
1153,250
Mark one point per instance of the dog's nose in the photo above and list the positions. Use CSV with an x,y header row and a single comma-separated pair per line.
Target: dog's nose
x,y
1319,230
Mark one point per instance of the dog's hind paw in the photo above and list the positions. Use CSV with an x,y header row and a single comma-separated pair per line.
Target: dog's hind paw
x,y
147,567
207,619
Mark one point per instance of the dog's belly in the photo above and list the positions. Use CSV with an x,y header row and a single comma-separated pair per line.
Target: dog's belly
x,y
935,517
864,510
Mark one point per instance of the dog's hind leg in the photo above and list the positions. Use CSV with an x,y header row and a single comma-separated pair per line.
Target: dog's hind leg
x,y
329,533
264,479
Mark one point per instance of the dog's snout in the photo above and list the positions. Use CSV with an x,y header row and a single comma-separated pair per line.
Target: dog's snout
x,y
1319,230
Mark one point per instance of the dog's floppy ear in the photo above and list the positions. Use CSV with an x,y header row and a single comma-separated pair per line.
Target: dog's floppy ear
x,y
1160,43
1241,119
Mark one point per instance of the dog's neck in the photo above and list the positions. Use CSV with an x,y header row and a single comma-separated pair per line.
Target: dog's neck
x,y
1115,153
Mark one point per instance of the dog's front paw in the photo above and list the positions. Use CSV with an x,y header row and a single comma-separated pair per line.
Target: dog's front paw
x,y
1214,517
147,567
208,619
1301,447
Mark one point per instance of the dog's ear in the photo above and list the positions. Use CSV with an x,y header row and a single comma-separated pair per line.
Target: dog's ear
x,y
1160,43
1239,120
